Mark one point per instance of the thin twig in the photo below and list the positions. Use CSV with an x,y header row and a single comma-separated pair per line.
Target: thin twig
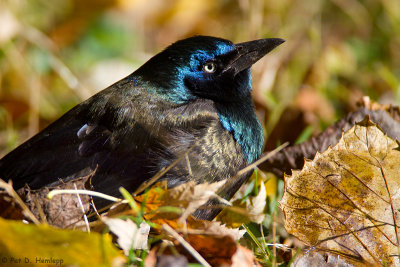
x,y
40,210
255,240
263,237
94,208
252,166
51,194
188,165
185,244
83,210
262,159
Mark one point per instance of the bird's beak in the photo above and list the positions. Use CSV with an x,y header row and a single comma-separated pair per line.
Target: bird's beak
x,y
248,53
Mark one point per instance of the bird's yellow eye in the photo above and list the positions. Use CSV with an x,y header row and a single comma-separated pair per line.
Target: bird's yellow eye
x,y
209,67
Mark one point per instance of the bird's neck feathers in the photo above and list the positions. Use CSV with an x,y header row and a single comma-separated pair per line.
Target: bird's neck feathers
x,y
236,116
239,119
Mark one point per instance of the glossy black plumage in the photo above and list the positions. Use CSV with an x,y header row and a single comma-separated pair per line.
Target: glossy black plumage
x,y
194,95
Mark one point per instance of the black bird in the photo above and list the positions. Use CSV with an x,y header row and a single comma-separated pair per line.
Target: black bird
x,y
196,94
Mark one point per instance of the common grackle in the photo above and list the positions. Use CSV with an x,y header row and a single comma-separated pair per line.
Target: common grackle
x,y
194,96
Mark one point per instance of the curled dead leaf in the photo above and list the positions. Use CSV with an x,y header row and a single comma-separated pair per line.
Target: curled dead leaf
x,y
217,250
242,212
176,203
130,236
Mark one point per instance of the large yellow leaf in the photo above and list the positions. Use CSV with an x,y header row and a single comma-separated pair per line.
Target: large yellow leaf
x,y
27,244
347,199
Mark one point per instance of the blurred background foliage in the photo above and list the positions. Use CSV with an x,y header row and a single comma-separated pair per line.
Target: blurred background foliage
x,y
54,54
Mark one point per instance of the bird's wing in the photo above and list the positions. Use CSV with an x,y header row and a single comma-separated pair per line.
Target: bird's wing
x,y
123,138
50,155
100,134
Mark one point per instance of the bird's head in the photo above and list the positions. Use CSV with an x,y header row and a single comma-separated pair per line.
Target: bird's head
x,y
205,67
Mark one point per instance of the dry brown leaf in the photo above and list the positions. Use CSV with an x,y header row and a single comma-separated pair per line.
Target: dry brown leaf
x,y
216,250
366,101
256,205
292,157
215,228
196,226
244,257
347,199
161,206
186,197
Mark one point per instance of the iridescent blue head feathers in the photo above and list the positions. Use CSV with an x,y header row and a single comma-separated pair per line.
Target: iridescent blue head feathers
x,y
211,68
